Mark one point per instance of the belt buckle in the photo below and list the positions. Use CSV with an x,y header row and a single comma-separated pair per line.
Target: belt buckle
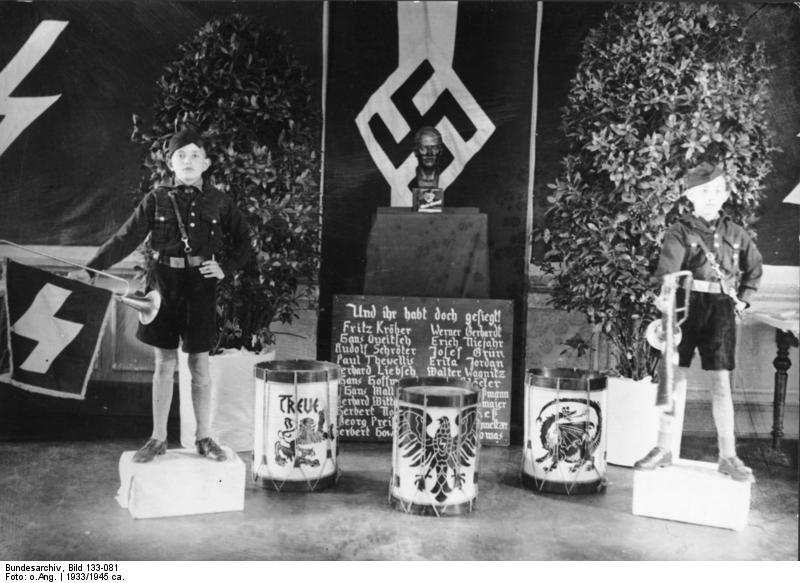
x,y
708,287
177,262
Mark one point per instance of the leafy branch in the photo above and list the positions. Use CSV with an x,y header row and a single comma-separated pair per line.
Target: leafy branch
x,y
660,87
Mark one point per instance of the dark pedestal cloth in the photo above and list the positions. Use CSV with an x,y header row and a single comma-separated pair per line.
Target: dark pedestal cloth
x,y
428,255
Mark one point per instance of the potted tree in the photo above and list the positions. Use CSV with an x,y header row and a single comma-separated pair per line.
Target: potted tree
x,y
239,83
660,87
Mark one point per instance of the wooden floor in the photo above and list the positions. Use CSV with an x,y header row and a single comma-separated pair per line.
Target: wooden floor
x,y
57,503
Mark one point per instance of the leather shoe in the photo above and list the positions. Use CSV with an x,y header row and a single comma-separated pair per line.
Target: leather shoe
x,y
658,457
149,450
208,447
735,468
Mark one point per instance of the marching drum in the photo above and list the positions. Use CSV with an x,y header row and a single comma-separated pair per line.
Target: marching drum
x,y
435,446
565,435
295,415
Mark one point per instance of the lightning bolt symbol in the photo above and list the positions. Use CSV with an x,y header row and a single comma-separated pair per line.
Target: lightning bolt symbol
x,y
40,323
19,112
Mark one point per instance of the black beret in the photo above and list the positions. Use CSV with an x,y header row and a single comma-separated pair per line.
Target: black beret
x,y
701,174
183,138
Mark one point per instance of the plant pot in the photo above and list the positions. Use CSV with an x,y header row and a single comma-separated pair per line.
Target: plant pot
x,y
232,397
632,420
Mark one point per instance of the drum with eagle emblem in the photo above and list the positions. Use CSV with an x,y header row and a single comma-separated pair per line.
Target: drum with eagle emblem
x,y
435,446
295,415
565,435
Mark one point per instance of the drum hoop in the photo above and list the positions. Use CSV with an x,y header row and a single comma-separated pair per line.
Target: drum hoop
x,y
568,379
435,382
531,482
296,371
404,394
437,510
421,406
305,485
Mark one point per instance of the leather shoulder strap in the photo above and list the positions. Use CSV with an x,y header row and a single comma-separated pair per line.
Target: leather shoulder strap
x,y
184,235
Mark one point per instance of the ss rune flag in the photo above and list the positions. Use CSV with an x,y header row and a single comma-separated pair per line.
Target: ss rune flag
x,y
54,327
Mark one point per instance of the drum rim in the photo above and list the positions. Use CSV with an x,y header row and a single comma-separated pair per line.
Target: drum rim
x,y
305,485
531,482
412,508
296,370
402,395
567,378
456,382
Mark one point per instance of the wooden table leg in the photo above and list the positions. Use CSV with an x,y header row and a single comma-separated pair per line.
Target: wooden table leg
x,y
784,341
782,363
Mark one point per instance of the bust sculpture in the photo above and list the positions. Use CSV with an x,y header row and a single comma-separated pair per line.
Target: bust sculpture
x,y
428,150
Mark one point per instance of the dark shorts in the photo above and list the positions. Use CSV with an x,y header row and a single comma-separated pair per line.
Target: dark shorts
x,y
188,310
711,329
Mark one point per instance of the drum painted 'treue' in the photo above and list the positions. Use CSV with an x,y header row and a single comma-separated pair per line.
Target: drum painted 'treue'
x,y
294,430
435,446
565,435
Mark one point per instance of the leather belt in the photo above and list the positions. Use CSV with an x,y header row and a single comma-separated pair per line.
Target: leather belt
x,y
706,287
182,262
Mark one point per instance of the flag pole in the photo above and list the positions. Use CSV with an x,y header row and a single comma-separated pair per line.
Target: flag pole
x,y
29,250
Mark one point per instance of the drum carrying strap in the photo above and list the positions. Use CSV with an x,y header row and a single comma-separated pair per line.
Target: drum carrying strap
x,y
184,235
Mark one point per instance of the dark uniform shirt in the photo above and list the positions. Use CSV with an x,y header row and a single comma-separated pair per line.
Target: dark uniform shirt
x,y
734,250
207,214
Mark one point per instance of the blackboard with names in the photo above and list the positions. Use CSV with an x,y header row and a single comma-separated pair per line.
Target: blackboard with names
x,y
377,340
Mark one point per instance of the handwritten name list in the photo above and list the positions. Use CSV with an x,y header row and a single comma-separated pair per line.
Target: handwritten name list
x,y
377,340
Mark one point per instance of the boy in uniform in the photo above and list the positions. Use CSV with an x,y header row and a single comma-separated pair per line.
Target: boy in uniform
x,y
726,267
187,220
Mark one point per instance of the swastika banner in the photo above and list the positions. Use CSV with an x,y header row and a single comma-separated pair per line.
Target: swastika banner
x,y
465,68
54,328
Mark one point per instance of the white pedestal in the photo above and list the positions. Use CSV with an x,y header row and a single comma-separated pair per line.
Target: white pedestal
x,y
180,482
694,492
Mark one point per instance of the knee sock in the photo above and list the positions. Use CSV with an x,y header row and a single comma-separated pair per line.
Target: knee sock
x,y
201,393
163,382
671,422
722,411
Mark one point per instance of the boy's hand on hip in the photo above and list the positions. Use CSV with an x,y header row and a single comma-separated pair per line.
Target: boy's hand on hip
x,y
211,268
